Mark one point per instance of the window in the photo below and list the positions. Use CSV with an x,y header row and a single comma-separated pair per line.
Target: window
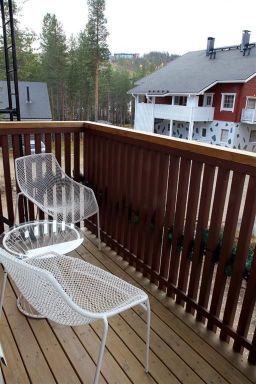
x,y
251,103
208,99
180,100
224,135
252,136
228,102
203,132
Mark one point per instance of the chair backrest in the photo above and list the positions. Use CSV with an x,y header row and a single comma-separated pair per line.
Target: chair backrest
x,y
42,180
37,172
41,289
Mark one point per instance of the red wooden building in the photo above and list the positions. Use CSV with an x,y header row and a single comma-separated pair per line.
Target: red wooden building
x,y
203,95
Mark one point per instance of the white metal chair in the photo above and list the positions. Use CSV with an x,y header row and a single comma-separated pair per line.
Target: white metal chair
x,y
73,292
42,181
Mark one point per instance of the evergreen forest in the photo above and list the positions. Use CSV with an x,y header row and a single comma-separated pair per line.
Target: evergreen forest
x,y
84,81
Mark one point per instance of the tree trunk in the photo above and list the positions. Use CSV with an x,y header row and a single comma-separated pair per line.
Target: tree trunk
x,y
96,91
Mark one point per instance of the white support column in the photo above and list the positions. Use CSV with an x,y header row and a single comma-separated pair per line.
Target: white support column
x,y
171,128
190,130
191,120
153,113
136,98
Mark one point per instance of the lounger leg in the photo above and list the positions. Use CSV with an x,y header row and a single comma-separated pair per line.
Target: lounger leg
x,y
147,336
102,347
2,357
2,292
98,225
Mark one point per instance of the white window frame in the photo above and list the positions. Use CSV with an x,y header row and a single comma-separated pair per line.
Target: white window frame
x,y
250,137
247,98
221,132
179,96
205,98
222,108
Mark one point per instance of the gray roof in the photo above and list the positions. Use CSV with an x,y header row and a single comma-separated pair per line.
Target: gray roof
x,y
194,72
39,106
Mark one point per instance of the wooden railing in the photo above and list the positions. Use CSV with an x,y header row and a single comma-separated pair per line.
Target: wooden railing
x,y
181,213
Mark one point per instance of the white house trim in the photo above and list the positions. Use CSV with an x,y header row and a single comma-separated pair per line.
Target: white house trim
x,y
222,108
250,77
205,98
220,82
170,94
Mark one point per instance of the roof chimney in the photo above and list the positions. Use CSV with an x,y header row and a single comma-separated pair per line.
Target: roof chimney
x,y
210,45
28,95
245,40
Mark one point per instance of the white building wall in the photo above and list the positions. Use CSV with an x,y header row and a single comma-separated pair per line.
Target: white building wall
x,y
144,117
162,128
242,137
236,135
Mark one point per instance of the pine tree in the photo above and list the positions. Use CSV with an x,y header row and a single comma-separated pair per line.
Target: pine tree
x,y
28,62
54,64
96,32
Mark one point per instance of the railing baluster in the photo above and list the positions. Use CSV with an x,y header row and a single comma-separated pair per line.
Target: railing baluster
x,y
213,239
48,142
159,208
16,141
228,240
1,214
243,243
58,148
117,222
39,172
67,153
173,174
190,224
178,226
27,147
201,232
145,202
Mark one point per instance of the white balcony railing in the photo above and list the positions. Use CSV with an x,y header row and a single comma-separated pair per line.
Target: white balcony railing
x,y
183,113
248,116
146,113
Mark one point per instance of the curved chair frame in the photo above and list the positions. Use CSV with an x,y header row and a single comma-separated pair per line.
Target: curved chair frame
x,y
73,292
42,181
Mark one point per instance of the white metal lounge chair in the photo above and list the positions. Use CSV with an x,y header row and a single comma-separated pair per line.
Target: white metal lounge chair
x,y
73,292
42,181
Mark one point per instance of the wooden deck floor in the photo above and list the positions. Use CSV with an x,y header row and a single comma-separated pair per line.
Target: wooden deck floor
x,y
39,351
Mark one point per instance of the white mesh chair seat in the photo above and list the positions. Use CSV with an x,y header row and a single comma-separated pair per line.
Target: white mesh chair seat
x,y
41,179
73,292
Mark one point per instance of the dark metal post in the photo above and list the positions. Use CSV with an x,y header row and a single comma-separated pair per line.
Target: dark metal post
x,y
13,62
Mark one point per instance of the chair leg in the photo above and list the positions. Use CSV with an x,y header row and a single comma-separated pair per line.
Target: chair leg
x,y
147,335
3,291
16,206
2,358
98,225
102,347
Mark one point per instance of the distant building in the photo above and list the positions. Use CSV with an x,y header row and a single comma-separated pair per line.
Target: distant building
x,y
34,100
125,56
207,95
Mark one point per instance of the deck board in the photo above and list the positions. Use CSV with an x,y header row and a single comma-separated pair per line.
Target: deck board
x,y
40,351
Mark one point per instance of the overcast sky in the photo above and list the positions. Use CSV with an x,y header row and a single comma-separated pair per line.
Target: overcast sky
x,y
141,26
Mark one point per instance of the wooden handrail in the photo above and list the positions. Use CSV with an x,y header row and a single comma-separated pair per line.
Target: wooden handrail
x,y
221,153
234,155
